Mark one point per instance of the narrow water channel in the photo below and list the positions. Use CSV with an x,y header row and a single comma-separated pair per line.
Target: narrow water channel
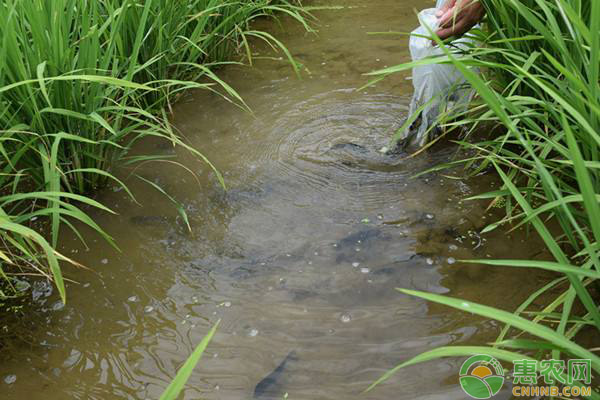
x,y
301,255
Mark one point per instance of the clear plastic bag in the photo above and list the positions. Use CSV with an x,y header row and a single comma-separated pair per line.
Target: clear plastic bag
x,y
437,86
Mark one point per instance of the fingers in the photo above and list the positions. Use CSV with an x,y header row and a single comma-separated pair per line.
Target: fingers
x,y
449,17
447,20
445,7
445,33
459,19
459,28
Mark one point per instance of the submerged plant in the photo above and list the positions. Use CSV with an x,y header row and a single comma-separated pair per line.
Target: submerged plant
x,y
539,93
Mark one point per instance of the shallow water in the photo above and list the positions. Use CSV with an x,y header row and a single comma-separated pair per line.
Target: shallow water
x,y
302,253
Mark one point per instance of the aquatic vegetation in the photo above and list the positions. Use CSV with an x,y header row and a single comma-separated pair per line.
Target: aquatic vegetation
x,y
80,83
176,386
269,387
539,97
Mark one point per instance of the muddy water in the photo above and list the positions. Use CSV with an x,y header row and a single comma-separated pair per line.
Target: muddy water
x,y
301,254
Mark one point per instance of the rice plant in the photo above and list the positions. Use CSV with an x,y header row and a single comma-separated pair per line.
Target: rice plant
x,y
183,375
539,93
81,82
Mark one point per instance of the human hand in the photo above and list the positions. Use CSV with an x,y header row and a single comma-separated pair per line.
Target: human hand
x,y
456,17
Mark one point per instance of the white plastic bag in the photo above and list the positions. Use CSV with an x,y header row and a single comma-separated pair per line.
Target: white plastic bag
x,y
440,85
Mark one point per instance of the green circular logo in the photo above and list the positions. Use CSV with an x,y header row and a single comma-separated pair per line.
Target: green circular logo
x,y
481,376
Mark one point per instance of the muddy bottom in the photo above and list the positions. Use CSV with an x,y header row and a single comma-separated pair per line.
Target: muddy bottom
x,y
299,258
